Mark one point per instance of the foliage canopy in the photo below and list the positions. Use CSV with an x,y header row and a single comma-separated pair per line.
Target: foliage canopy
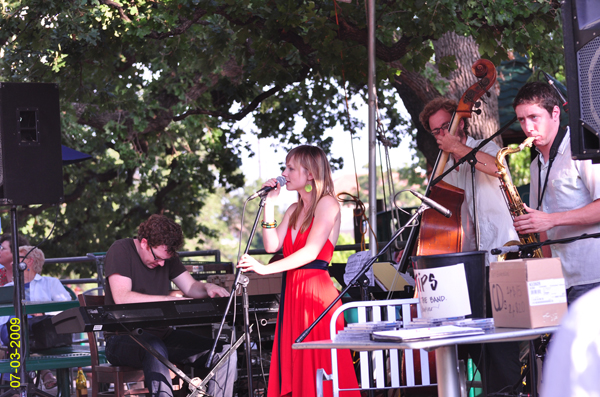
x,y
152,89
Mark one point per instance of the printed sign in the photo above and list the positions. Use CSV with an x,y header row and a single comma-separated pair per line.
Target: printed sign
x,y
443,291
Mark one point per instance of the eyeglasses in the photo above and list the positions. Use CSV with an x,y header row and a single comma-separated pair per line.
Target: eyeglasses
x,y
444,127
156,258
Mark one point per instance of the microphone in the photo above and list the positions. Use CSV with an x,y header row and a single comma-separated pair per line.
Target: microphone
x,y
442,210
280,180
506,250
565,104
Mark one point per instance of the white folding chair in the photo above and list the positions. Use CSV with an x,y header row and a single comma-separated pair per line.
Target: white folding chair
x,y
380,369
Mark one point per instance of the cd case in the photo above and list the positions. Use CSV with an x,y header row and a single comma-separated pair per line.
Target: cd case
x,y
415,334
363,331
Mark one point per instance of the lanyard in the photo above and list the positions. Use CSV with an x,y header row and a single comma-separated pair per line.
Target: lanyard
x,y
540,197
560,135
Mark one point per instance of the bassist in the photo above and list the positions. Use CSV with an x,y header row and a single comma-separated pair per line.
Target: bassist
x,y
495,222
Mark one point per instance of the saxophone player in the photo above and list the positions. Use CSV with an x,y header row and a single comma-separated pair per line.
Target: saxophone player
x,y
564,198
495,223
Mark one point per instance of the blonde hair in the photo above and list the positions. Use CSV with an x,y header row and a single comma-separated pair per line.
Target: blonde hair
x,y
314,161
36,255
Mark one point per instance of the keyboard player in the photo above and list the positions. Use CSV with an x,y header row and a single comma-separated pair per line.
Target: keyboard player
x,y
141,270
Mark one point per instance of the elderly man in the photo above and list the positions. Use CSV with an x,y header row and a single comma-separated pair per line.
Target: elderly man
x,y
37,289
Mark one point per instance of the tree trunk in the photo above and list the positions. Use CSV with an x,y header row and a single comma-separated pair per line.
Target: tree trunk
x,y
466,53
415,91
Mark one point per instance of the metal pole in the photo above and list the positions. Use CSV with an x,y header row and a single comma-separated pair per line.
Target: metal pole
x,y
446,365
20,347
372,120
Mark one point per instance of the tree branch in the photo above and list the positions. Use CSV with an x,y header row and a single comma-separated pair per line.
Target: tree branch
x,y
19,31
385,53
181,29
229,116
159,198
118,6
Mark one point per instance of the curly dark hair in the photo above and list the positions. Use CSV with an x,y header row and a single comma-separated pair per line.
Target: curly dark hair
x,y
437,104
160,230
22,240
537,93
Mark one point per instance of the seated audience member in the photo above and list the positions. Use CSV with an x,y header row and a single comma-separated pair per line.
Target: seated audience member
x,y
6,257
37,288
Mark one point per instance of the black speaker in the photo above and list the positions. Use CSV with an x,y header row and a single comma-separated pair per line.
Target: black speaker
x,y
30,151
581,29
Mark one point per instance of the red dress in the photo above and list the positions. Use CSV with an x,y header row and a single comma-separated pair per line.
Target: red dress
x,y
305,294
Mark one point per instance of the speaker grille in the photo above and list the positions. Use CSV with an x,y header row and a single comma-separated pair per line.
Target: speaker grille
x,y
589,83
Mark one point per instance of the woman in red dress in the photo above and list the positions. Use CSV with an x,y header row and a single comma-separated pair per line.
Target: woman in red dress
x,y
308,234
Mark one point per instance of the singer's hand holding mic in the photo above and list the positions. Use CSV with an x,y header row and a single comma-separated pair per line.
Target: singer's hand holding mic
x,y
269,185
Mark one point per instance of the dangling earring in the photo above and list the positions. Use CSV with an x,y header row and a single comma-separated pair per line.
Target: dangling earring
x,y
308,188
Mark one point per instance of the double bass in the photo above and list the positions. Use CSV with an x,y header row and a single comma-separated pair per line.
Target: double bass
x,y
438,234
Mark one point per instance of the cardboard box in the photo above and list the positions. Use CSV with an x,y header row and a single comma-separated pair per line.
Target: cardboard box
x,y
258,285
527,293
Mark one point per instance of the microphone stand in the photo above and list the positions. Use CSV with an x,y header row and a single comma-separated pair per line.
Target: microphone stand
x,y
20,376
362,271
21,350
530,247
196,385
243,281
18,301
469,157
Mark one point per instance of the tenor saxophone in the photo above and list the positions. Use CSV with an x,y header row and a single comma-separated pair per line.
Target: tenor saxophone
x,y
512,197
